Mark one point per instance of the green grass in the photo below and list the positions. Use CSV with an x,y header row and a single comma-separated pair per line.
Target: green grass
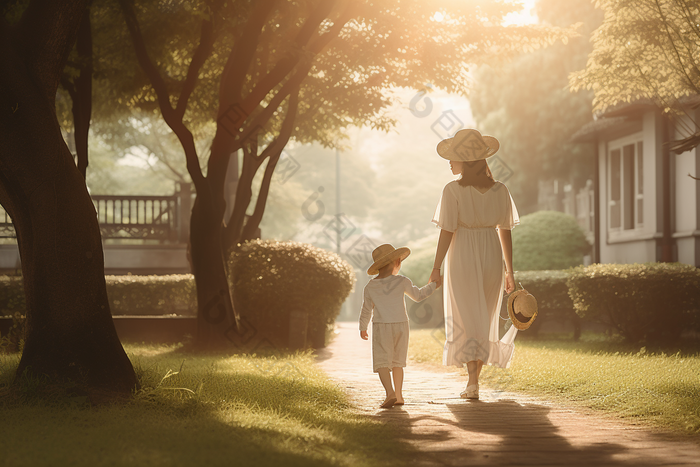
x,y
198,409
651,387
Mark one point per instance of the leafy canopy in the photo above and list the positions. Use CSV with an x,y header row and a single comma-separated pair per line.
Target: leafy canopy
x,y
645,49
383,45
527,106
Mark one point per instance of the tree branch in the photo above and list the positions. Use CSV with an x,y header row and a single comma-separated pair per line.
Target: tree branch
x,y
675,49
201,54
82,106
243,53
285,65
276,149
293,83
166,108
144,60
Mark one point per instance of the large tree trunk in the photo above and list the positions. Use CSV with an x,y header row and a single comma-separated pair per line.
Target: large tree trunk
x,y
216,316
69,330
82,101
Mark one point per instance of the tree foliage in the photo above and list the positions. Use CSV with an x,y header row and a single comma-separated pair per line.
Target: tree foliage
x,y
273,71
645,49
527,106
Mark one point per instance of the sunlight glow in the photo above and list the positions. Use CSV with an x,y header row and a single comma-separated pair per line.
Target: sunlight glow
x,y
438,17
526,16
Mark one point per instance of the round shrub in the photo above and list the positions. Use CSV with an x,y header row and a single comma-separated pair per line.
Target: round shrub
x,y
271,279
548,240
652,302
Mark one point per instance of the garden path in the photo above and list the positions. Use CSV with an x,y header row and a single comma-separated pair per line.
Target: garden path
x,y
501,428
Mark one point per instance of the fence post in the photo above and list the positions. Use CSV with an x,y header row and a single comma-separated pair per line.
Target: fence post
x,y
185,211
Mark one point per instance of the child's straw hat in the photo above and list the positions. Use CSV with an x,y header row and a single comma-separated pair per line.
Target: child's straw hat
x,y
386,254
522,309
468,145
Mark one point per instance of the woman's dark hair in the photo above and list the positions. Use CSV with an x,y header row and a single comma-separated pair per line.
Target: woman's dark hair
x,y
476,173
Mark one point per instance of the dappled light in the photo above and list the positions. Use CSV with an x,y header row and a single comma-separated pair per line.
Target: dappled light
x,y
349,232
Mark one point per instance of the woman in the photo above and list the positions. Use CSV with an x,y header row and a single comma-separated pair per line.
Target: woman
x,y
475,215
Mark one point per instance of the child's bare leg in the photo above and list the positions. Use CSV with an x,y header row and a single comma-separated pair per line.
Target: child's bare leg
x,y
479,365
398,383
385,378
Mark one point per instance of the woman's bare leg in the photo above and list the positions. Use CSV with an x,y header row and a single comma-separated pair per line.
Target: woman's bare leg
x,y
473,371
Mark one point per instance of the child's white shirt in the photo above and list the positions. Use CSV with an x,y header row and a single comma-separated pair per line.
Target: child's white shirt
x,y
383,299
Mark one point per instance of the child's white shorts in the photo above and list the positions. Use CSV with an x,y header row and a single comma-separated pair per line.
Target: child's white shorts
x,y
389,345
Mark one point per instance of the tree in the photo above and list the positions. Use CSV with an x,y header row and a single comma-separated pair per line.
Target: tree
x,y
69,328
646,49
274,70
77,81
526,104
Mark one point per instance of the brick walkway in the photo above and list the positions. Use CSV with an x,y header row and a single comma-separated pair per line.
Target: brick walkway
x,y
499,429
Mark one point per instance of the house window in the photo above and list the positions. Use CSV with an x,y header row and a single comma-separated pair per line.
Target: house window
x,y
626,185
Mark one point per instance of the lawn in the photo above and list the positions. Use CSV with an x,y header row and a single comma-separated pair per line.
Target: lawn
x,y
652,387
199,410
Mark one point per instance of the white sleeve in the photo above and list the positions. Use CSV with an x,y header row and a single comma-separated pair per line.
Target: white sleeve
x,y
419,294
509,217
366,313
447,211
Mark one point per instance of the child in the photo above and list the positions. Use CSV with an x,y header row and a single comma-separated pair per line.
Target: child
x,y
383,298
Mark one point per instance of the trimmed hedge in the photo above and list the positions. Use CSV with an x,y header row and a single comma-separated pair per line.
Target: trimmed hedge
x,y
128,295
271,279
152,295
553,301
547,240
650,302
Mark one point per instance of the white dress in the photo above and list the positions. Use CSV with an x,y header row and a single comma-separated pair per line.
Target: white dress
x,y
474,273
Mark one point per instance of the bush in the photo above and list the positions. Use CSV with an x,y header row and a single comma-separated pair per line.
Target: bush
x,y
553,301
419,264
652,302
128,295
12,296
152,295
548,240
271,279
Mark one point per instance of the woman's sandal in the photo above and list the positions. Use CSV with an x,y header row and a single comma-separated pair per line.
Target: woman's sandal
x,y
471,392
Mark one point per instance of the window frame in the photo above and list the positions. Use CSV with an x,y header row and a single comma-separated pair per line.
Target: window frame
x,y
638,176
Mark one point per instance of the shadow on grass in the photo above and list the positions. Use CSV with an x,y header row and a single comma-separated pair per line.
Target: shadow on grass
x,y
218,410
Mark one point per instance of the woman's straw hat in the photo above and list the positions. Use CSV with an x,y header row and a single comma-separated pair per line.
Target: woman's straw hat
x,y
468,145
522,309
385,254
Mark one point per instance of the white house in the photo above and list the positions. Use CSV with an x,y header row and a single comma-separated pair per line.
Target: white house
x,y
646,203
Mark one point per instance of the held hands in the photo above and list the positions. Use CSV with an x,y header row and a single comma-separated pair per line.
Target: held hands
x,y
364,335
435,277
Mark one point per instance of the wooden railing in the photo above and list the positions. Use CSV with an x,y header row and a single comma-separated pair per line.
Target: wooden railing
x,y
142,217
161,218
7,229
